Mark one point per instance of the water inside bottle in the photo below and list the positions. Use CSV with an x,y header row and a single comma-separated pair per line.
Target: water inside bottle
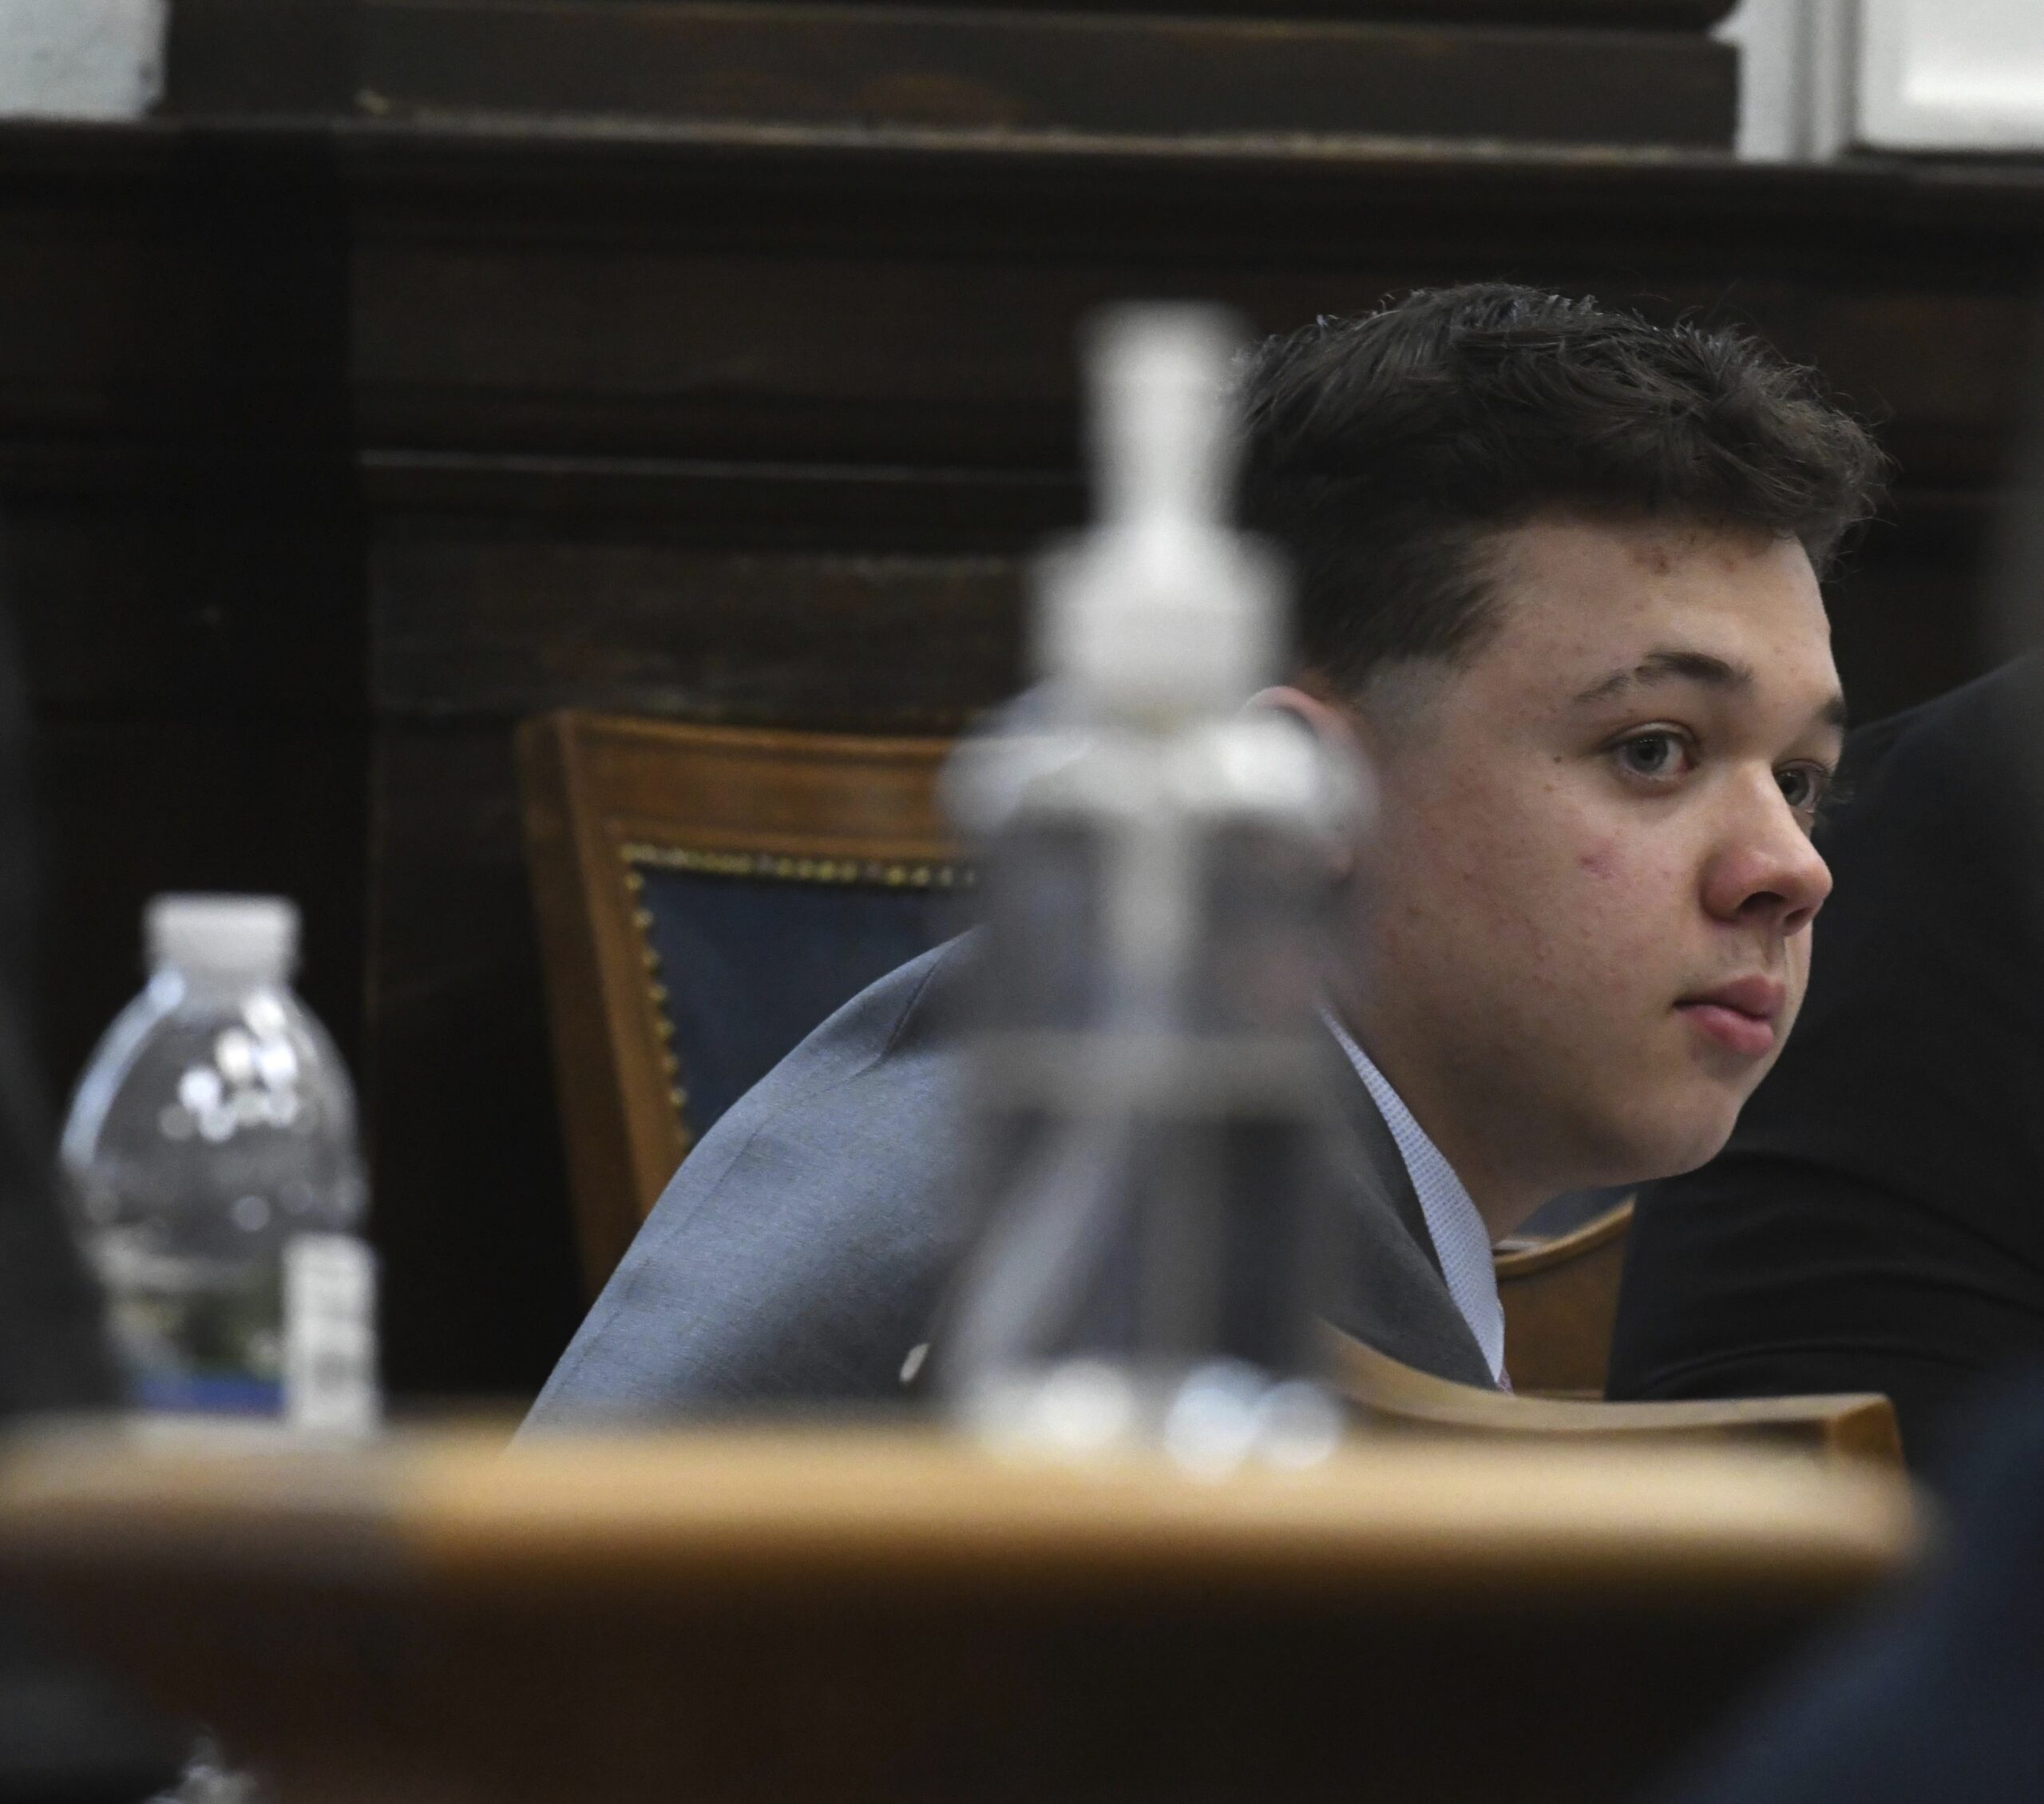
x,y
193,1334
211,1154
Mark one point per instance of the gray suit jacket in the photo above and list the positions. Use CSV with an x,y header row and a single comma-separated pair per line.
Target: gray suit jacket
x,y
804,1246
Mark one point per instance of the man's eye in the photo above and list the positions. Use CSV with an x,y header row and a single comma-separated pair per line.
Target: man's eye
x,y
1803,786
1653,754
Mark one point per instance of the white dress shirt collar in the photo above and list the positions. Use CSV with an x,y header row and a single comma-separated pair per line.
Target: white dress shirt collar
x,y
1461,1242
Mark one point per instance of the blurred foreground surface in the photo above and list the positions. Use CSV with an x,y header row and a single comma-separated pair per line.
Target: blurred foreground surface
x,y
1939,1697
856,1613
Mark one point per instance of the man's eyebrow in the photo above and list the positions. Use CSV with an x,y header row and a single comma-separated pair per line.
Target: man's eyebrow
x,y
1676,666
1680,665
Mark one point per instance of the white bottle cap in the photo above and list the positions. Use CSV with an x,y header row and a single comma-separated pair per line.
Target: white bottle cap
x,y
1162,609
254,937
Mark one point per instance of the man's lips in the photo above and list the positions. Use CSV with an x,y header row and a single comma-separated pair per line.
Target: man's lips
x,y
1739,1016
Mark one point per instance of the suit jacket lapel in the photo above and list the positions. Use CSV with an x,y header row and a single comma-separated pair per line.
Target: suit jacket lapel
x,y
1381,1164
1398,1301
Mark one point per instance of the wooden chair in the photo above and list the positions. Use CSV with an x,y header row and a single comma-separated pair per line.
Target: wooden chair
x,y
1561,1297
1396,1398
705,897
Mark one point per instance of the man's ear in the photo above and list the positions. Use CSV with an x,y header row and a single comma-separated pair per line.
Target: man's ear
x,y
1337,727
1340,730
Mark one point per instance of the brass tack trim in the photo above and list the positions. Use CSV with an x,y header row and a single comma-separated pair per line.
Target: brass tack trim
x,y
949,874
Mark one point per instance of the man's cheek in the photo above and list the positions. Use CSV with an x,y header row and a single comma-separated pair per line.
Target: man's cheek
x,y
1600,860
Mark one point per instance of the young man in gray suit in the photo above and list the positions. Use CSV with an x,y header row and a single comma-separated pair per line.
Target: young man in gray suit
x,y
1556,579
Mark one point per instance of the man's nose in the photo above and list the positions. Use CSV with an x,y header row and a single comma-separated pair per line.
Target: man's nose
x,y
1767,870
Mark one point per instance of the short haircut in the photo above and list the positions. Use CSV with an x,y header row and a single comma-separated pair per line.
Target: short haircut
x,y
1381,451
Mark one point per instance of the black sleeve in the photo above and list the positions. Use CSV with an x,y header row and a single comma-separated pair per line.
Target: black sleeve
x,y
1877,1221
64,1731
52,1355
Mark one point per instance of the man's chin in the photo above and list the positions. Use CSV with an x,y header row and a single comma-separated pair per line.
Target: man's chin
x,y
1696,1151
1668,1144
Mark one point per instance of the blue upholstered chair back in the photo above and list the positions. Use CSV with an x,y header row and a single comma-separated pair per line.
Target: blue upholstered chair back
x,y
748,953
705,897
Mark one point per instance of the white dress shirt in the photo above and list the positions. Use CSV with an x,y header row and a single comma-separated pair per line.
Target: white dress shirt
x,y
1461,1242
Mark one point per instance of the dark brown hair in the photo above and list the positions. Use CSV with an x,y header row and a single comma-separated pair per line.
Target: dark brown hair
x,y
1382,449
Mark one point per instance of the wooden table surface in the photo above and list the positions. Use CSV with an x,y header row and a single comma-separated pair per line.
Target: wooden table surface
x,y
868,1613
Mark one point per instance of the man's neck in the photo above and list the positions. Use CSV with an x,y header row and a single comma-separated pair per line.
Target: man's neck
x,y
1503,1197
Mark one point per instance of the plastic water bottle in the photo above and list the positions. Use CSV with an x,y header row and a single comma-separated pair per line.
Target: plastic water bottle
x,y
216,1183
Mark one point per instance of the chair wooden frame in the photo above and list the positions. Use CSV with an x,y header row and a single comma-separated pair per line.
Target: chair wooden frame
x,y
604,796
1393,1396
1560,1297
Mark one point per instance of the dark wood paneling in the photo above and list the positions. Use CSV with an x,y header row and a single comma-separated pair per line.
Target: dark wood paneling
x,y
184,547
732,505
699,299
910,66
470,623
286,56
479,1284
134,803
189,599
1508,77
235,57
1907,603
1636,15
